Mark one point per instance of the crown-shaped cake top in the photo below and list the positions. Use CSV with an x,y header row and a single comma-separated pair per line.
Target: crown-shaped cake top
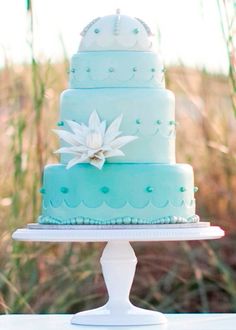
x,y
116,32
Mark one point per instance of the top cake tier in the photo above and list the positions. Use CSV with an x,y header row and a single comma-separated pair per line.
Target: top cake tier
x,y
116,32
115,51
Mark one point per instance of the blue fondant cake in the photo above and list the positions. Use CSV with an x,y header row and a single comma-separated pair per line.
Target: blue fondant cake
x,y
117,136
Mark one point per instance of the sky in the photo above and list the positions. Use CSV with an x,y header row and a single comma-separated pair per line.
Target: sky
x,y
189,30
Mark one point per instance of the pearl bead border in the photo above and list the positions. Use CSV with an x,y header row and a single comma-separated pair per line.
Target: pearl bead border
x,y
117,221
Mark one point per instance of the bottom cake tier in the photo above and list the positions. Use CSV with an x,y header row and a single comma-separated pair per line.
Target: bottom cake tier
x,y
118,194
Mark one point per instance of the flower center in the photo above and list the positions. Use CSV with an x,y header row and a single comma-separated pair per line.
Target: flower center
x,y
94,140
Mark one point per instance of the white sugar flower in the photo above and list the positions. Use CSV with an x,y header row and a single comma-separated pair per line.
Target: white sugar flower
x,y
93,143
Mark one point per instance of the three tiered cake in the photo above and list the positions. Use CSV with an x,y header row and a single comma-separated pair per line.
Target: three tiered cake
x,y
117,133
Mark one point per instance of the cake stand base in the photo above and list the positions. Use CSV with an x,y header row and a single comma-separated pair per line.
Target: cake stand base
x,y
119,264
132,316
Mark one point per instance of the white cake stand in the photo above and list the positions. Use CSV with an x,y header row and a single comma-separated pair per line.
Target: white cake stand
x,y
118,262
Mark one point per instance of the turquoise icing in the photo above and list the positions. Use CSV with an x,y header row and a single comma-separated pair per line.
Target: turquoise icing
x,y
115,72
147,113
136,190
116,69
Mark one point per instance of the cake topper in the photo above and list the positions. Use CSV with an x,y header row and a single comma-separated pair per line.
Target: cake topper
x,y
116,29
116,32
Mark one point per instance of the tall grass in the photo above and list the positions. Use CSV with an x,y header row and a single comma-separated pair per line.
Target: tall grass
x,y
227,15
173,277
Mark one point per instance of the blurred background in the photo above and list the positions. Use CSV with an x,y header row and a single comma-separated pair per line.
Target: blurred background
x,y
197,39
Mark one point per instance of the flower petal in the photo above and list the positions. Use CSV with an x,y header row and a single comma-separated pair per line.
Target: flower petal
x,y
76,160
106,147
92,152
100,155
80,130
103,127
115,125
75,127
73,162
79,149
67,136
71,150
109,137
121,141
94,121
97,162
66,150
83,130
113,153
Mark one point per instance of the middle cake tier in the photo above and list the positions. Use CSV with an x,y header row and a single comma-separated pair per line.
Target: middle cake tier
x,y
120,193
148,113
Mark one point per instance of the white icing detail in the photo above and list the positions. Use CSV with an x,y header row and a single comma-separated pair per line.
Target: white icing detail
x,y
87,27
117,23
116,33
147,28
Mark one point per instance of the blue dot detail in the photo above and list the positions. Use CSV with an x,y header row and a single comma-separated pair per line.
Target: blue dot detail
x,y
88,70
111,69
105,190
96,31
64,190
134,69
60,123
182,189
42,190
73,70
158,122
149,189
136,31
153,69
138,121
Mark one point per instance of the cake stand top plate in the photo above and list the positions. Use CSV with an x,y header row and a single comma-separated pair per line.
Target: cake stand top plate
x,y
172,232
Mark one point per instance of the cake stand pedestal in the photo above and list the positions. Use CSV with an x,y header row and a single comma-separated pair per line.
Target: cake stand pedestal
x,y
118,263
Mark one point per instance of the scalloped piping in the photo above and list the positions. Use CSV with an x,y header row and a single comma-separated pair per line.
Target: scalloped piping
x,y
158,131
76,78
117,221
126,204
